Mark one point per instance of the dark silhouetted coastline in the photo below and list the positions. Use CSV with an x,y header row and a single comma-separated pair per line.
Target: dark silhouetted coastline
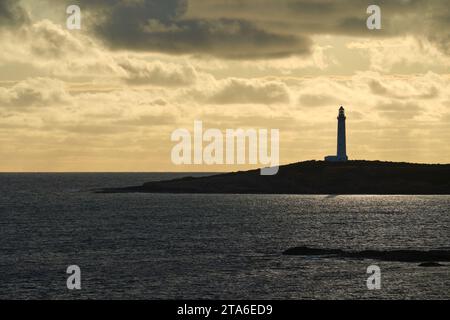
x,y
314,177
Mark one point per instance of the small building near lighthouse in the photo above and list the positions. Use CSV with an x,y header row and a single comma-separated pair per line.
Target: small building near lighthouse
x,y
341,154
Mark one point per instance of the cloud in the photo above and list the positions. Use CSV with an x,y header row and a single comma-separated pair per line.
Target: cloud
x,y
439,29
85,131
423,18
316,100
230,39
404,92
140,72
49,40
47,49
308,13
161,26
242,91
399,110
251,29
12,14
34,92
401,54
144,120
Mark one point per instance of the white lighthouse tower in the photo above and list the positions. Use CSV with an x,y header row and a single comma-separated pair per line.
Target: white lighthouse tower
x,y
341,154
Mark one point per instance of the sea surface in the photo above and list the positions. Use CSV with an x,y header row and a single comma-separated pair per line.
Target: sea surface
x,y
166,246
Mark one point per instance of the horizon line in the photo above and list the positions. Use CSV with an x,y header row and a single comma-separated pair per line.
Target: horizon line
x,y
216,172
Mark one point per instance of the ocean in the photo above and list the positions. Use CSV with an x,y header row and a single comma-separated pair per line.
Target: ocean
x,y
194,246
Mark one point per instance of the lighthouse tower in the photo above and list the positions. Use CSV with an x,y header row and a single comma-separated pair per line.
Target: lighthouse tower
x,y
341,154
341,145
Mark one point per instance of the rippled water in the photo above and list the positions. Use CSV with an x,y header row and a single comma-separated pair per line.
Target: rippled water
x,y
163,246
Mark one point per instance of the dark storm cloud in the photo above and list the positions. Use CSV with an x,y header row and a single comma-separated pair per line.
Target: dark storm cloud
x,y
12,14
230,39
422,18
318,16
236,29
160,26
440,27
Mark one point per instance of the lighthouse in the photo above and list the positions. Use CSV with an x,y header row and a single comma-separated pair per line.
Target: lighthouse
x,y
341,154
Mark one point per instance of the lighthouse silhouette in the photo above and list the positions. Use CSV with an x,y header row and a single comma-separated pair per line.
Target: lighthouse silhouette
x,y
341,154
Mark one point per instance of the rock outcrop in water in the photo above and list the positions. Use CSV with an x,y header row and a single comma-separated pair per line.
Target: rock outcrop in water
x,y
314,177
427,257
431,264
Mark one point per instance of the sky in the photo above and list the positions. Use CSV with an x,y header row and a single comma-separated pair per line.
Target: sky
x,y
107,97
